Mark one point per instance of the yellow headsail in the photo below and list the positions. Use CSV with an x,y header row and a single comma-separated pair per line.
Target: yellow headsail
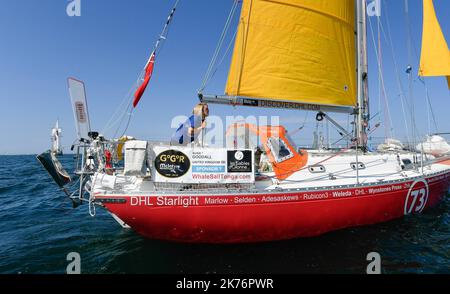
x,y
435,59
297,51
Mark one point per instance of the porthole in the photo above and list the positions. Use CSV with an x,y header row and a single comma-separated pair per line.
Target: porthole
x,y
316,169
360,165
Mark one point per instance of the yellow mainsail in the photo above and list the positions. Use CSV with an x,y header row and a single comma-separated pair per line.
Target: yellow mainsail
x,y
297,51
435,59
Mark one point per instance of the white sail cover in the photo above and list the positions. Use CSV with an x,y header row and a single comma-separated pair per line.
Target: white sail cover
x,y
79,105
435,145
391,145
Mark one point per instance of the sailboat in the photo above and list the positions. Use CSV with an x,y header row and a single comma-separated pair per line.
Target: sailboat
x,y
56,135
288,54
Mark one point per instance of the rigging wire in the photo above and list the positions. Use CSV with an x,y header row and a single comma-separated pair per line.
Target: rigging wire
x,y
388,117
294,132
389,124
409,72
222,38
430,112
128,111
379,78
222,59
400,86
159,45
114,119
413,49
430,109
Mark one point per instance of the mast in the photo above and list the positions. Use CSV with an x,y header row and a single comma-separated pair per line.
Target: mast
x,y
363,113
57,137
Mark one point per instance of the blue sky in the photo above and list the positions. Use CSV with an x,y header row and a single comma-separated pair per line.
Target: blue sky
x,y
107,46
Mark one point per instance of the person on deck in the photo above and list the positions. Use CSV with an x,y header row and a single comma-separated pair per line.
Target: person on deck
x,y
192,127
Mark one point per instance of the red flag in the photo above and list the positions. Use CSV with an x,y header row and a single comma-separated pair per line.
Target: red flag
x,y
148,74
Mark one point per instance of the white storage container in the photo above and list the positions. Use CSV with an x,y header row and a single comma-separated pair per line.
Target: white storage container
x,y
135,158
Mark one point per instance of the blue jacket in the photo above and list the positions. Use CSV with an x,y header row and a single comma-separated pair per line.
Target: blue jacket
x,y
181,135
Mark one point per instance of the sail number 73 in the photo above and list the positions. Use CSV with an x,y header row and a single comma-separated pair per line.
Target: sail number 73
x,y
417,197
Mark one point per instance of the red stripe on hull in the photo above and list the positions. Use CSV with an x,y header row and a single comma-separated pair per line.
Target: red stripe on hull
x,y
203,220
